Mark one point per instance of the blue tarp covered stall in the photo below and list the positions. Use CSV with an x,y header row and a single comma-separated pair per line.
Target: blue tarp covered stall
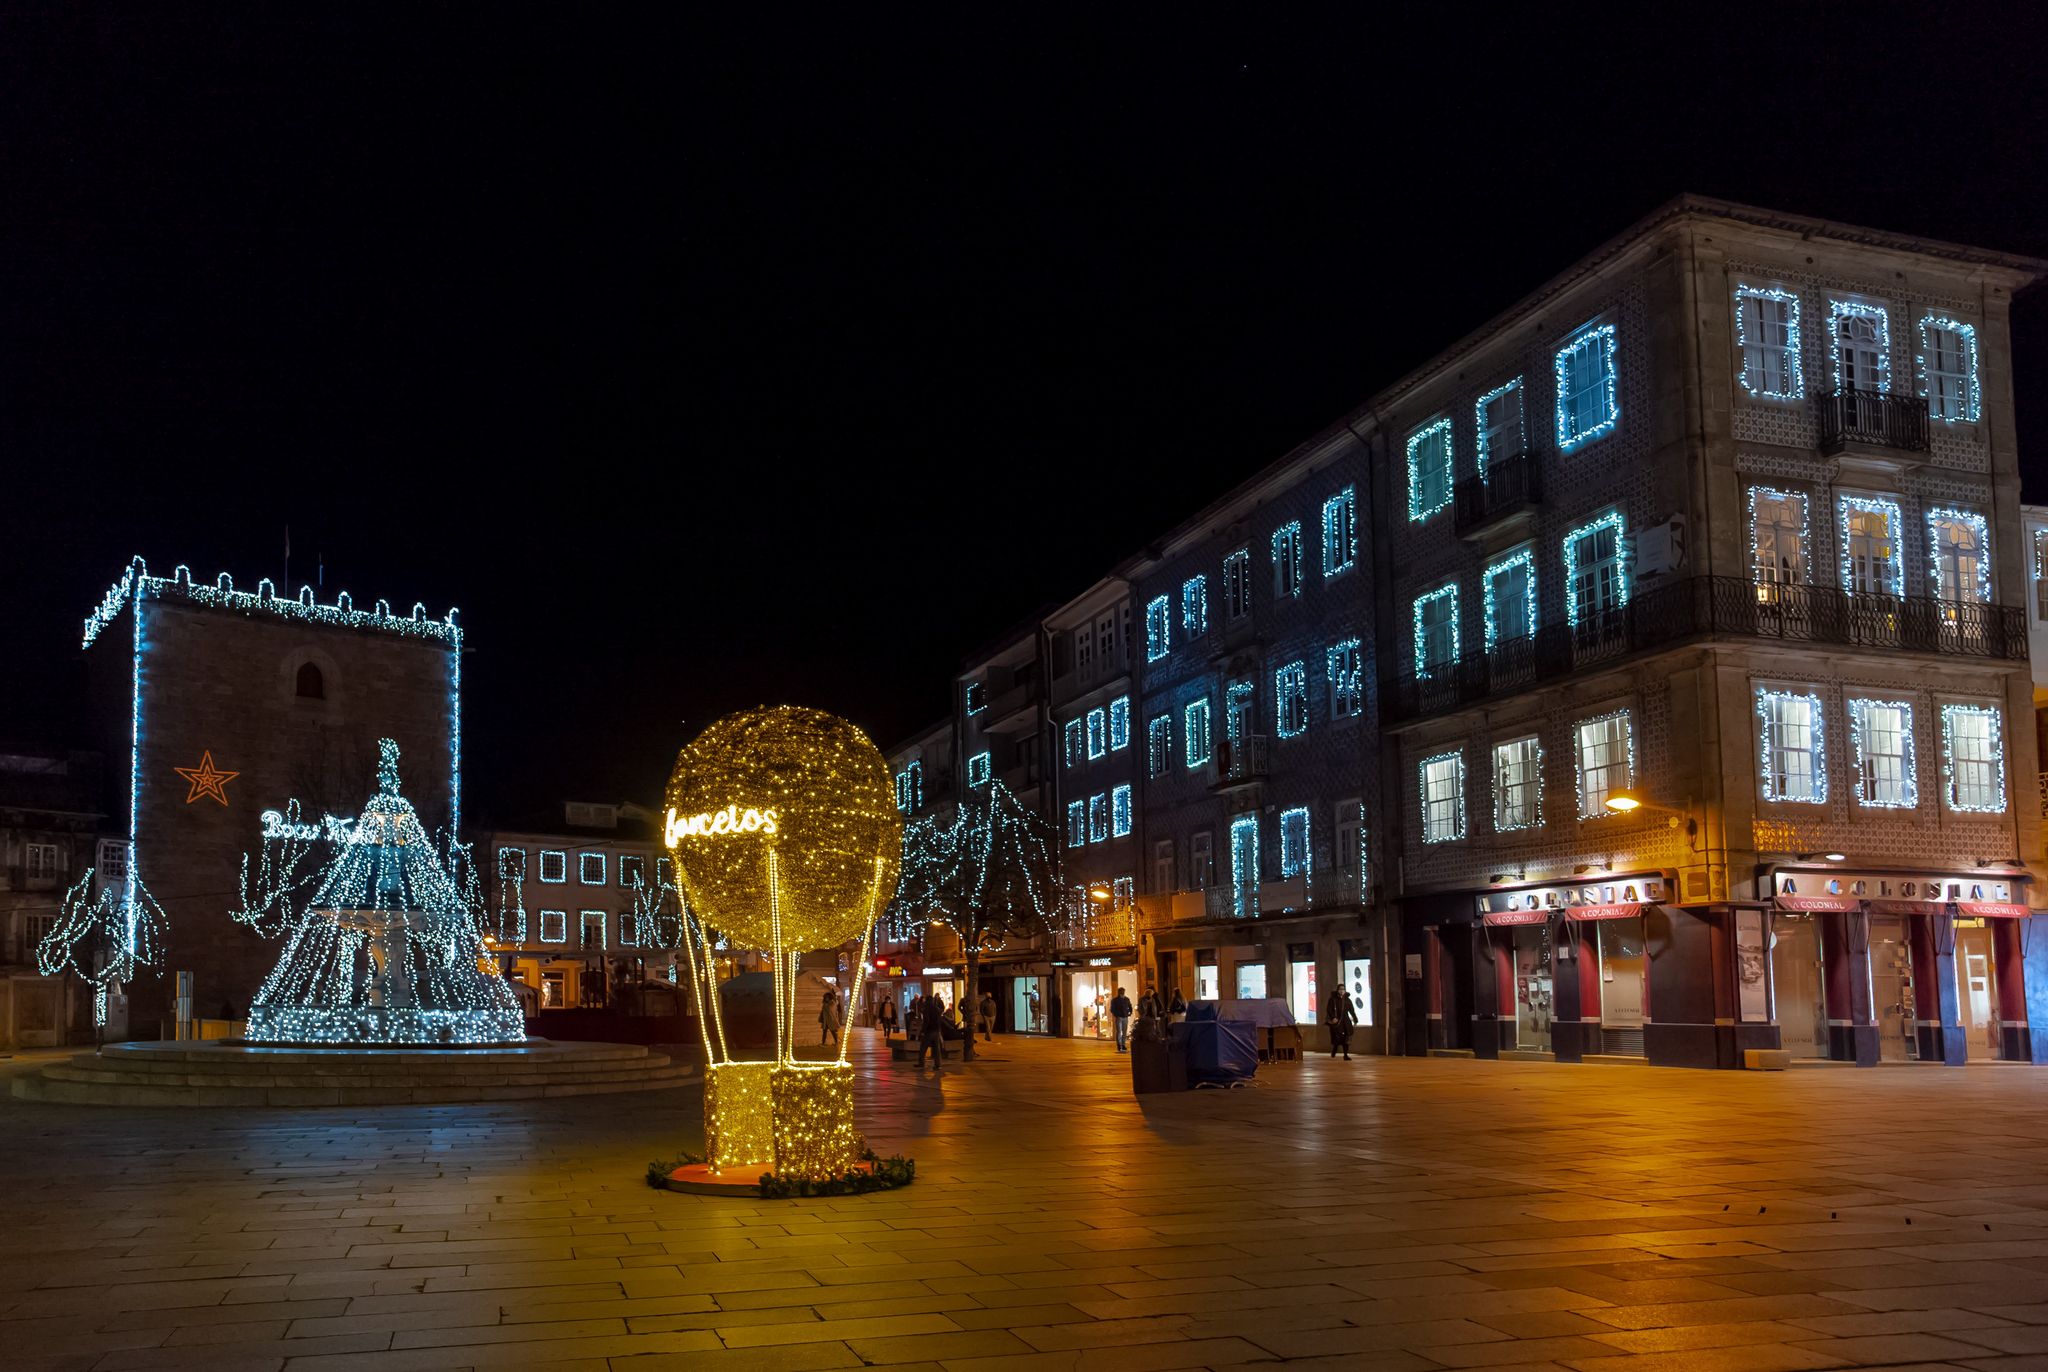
x,y
1220,1052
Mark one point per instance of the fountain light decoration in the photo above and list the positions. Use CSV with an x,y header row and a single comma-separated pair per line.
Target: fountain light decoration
x,y
107,936
387,950
786,838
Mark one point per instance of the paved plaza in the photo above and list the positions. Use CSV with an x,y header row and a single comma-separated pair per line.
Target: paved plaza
x,y
1381,1214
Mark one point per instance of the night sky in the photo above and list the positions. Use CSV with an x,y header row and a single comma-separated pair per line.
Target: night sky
x,y
725,357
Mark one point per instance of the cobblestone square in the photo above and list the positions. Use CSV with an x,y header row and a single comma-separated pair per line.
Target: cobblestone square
x,y
1382,1213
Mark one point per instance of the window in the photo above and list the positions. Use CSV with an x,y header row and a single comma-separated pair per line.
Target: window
x,y
1973,758
1347,679
1098,818
1435,618
590,868
1098,733
1201,860
1106,655
1290,699
554,926
1237,710
1244,865
1429,470
1871,561
1084,654
1237,584
1517,785
1294,849
1948,370
978,768
629,930
1119,724
1350,851
910,786
1073,743
554,866
1956,546
1498,417
1120,811
512,864
665,871
1777,538
975,696
1340,532
1887,775
1443,797
1595,575
309,684
1795,769
1077,823
1859,346
41,861
593,929
1158,745
34,929
1586,397
1287,559
1156,625
1606,756
1194,607
1162,866
1767,330
1123,893
1509,586
1195,720
632,870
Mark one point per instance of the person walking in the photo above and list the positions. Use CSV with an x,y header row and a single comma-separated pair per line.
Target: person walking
x,y
1120,1010
988,1016
1149,1005
886,1018
1176,1007
829,1018
1341,1017
931,1022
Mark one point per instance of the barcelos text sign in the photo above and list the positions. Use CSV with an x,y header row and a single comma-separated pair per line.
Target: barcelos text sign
x,y
333,828
717,823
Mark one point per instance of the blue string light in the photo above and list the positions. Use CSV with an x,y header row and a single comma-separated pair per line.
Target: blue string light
x,y
1424,667
1448,767
1748,321
978,769
1627,720
1157,616
1429,470
1120,811
1340,532
1525,560
1295,857
1591,356
1895,558
1346,666
1287,559
1119,724
1290,699
1194,606
1519,753
1907,796
1772,708
1953,720
1840,311
1196,727
1612,520
1487,457
1980,535
1964,406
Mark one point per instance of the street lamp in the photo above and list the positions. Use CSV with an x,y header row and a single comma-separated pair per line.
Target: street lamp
x,y
1099,893
1628,802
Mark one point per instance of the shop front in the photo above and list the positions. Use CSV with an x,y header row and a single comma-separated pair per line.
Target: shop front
x,y
1089,989
1611,968
1870,966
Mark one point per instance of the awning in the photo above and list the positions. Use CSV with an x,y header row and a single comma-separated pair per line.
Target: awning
x,y
1519,916
1992,909
1605,911
1832,905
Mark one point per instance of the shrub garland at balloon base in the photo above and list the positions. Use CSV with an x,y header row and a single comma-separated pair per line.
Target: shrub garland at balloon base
x,y
875,1174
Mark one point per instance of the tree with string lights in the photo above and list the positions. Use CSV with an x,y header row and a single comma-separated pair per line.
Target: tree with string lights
x,y
990,872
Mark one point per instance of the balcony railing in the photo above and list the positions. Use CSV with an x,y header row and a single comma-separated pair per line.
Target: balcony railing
x,y
1508,487
1240,761
1872,418
1703,606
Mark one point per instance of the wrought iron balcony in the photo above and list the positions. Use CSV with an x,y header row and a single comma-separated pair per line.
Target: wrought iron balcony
x,y
1507,488
1711,606
1876,419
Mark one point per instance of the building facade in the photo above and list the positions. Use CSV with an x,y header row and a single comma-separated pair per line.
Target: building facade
x,y
581,906
1708,681
1256,739
215,707
50,821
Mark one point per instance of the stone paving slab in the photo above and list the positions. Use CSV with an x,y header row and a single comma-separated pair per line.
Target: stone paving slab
x,y
1395,1215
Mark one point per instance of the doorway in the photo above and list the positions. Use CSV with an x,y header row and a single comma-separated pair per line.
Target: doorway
x,y
1977,986
1623,969
1795,975
1891,988
1533,987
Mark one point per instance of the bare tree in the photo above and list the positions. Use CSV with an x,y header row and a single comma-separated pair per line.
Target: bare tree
x,y
990,872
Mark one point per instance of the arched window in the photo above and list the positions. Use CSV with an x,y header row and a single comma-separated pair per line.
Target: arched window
x,y
311,685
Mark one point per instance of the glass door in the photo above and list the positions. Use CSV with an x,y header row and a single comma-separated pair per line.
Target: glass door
x,y
1977,988
1795,974
1532,988
1891,987
1623,967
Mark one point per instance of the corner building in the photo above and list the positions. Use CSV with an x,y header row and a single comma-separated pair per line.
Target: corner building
x,y
1723,523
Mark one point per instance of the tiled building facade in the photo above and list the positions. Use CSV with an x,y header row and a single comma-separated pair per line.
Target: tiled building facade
x,y
1690,712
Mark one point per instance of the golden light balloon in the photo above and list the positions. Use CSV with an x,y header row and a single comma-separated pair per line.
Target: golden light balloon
x,y
808,788
786,839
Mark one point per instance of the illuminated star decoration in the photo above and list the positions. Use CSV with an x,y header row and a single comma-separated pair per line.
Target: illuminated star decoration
x,y
206,779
